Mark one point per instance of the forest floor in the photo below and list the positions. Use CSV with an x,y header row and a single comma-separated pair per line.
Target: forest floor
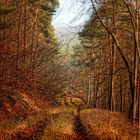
x,y
27,117
66,123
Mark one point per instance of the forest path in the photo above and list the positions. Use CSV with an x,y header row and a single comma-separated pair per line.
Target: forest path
x,y
75,124
80,130
36,131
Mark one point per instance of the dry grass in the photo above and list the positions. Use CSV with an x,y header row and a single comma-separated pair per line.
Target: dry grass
x,y
108,125
18,111
61,109
14,125
60,126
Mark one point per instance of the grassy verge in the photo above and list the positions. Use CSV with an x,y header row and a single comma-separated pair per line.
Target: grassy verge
x,y
15,125
60,126
108,125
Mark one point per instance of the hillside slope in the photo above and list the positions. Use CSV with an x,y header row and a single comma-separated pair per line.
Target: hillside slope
x,y
15,103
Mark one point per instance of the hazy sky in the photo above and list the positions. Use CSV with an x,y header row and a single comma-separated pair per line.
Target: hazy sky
x,y
70,13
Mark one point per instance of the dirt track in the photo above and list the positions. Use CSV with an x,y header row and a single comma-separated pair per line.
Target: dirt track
x,y
36,131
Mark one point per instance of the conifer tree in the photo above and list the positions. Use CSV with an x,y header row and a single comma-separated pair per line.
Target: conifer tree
x,y
4,10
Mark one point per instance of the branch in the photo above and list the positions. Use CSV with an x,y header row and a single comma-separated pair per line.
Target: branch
x,y
114,38
134,28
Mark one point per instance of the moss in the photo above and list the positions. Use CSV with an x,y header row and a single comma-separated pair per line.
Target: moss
x,y
7,9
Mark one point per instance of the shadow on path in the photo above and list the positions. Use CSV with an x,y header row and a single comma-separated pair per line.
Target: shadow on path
x,y
81,131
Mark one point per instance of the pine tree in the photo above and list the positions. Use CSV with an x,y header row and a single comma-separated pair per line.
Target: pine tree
x,y
4,10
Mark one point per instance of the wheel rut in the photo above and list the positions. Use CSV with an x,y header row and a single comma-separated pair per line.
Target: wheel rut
x,y
33,131
80,130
